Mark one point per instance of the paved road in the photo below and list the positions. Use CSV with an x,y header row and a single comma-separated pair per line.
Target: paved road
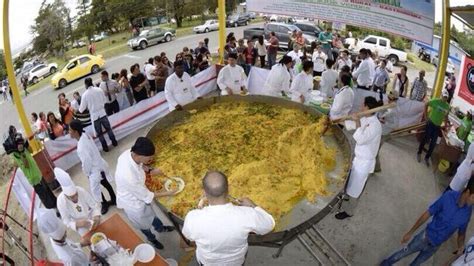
x,y
45,99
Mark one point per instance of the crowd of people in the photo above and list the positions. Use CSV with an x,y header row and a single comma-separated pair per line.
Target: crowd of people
x,y
292,76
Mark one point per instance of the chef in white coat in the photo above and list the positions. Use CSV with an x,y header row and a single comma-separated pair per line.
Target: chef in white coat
x,y
79,211
279,79
367,138
232,78
68,252
93,166
343,98
179,89
132,194
464,171
302,85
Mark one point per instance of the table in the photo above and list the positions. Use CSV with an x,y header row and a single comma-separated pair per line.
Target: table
x,y
115,228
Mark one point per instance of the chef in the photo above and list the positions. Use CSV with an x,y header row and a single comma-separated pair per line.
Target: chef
x,y
93,166
132,194
179,89
68,252
78,209
343,98
232,78
464,171
367,138
279,78
302,85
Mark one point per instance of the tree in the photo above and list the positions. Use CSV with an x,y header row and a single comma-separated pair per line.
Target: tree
x,y
3,67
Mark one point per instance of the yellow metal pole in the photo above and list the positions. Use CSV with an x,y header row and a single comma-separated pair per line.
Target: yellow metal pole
x,y
222,28
12,80
443,50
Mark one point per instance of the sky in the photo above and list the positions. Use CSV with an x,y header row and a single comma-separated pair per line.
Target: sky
x,y
23,13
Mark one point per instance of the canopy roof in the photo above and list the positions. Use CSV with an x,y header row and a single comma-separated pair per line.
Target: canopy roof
x,y
464,14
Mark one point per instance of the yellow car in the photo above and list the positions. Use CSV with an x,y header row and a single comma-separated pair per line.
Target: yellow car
x,y
77,68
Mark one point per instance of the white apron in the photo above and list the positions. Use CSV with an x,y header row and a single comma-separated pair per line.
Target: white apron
x,y
71,254
361,169
141,218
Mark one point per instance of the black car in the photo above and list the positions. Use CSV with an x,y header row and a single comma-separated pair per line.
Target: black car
x,y
237,20
308,28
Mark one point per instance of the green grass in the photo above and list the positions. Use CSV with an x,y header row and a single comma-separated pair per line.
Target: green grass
x,y
420,64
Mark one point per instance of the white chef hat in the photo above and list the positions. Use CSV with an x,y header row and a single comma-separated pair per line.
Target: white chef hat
x,y
69,188
50,224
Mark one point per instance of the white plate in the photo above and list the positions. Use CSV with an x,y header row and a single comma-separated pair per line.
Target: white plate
x,y
178,180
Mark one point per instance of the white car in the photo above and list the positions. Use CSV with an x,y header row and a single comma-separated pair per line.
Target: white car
x,y
40,71
208,26
450,68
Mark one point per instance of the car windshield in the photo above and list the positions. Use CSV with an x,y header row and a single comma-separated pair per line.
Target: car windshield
x,y
208,22
293,28
234,17
144,33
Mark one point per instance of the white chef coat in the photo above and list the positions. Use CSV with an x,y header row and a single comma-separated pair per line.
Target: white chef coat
x,y
221,232
341,62
464,171
367,138
93,99
343,101
363,73
92,164
328,81
70,254
148,71
132,194
302,85
85,208
278,80
295,56
179,90
372,68
231,77
319,61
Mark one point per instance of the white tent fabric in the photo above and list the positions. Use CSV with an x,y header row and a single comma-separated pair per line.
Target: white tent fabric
x,y
23,192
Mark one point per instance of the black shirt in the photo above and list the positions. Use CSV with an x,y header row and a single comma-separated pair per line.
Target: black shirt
x,y
134,82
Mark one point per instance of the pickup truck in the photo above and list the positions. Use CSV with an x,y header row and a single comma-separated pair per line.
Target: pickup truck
x,y
379,45
282,31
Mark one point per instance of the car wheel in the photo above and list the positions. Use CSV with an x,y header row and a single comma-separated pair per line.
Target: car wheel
x,y
168,38
143,45
52,70
95,69
34,80
134,48
62,83
236,24
246,23
393,59
206,30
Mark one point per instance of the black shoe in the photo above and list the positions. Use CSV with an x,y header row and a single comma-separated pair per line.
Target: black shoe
x,y
115,143
342,215
427,162
418,157
167,229
157,244
112,203
105,208
105,149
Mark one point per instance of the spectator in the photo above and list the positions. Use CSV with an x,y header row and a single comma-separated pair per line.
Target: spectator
x,y
261,50
206,43
329,79
347,70
121,95
465,127
451,86
110,89
381,78
149,70
91,48
67,113
168,64
40,128
437,114
319,61
201,49
188,64
179,89
125,84
451,212
24,83
137,83
201,62
292,40
56,127
419,87
401,82
85,116
161,74
363,72
250,54
229,36
337,45
186,51
75,101
343,60
272,49
44,121
300,40
325,38
240,53
94,100
230,47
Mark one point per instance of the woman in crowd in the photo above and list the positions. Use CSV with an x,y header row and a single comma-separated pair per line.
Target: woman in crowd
x,y
401,82
65,109
261,50
168,64
56,128
201,63
121,95
85,116
123,81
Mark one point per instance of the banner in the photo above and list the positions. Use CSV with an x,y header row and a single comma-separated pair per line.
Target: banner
x,y
413,19
465,86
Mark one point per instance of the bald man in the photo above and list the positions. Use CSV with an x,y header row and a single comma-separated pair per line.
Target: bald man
x,y
221,228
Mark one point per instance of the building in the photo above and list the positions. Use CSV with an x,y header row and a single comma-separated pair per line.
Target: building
x,y
455,51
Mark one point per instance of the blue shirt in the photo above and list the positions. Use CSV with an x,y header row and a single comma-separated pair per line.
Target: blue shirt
x,y
447,217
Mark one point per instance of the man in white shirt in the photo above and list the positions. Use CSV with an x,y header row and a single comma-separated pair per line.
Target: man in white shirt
x,y
296,54
149,70
344,60
132,194
328,79
367,138
179,89
110,88
232,78
68,252
93,165
343,99
381,78
94,100
78,209
319,61
364,72
221,229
